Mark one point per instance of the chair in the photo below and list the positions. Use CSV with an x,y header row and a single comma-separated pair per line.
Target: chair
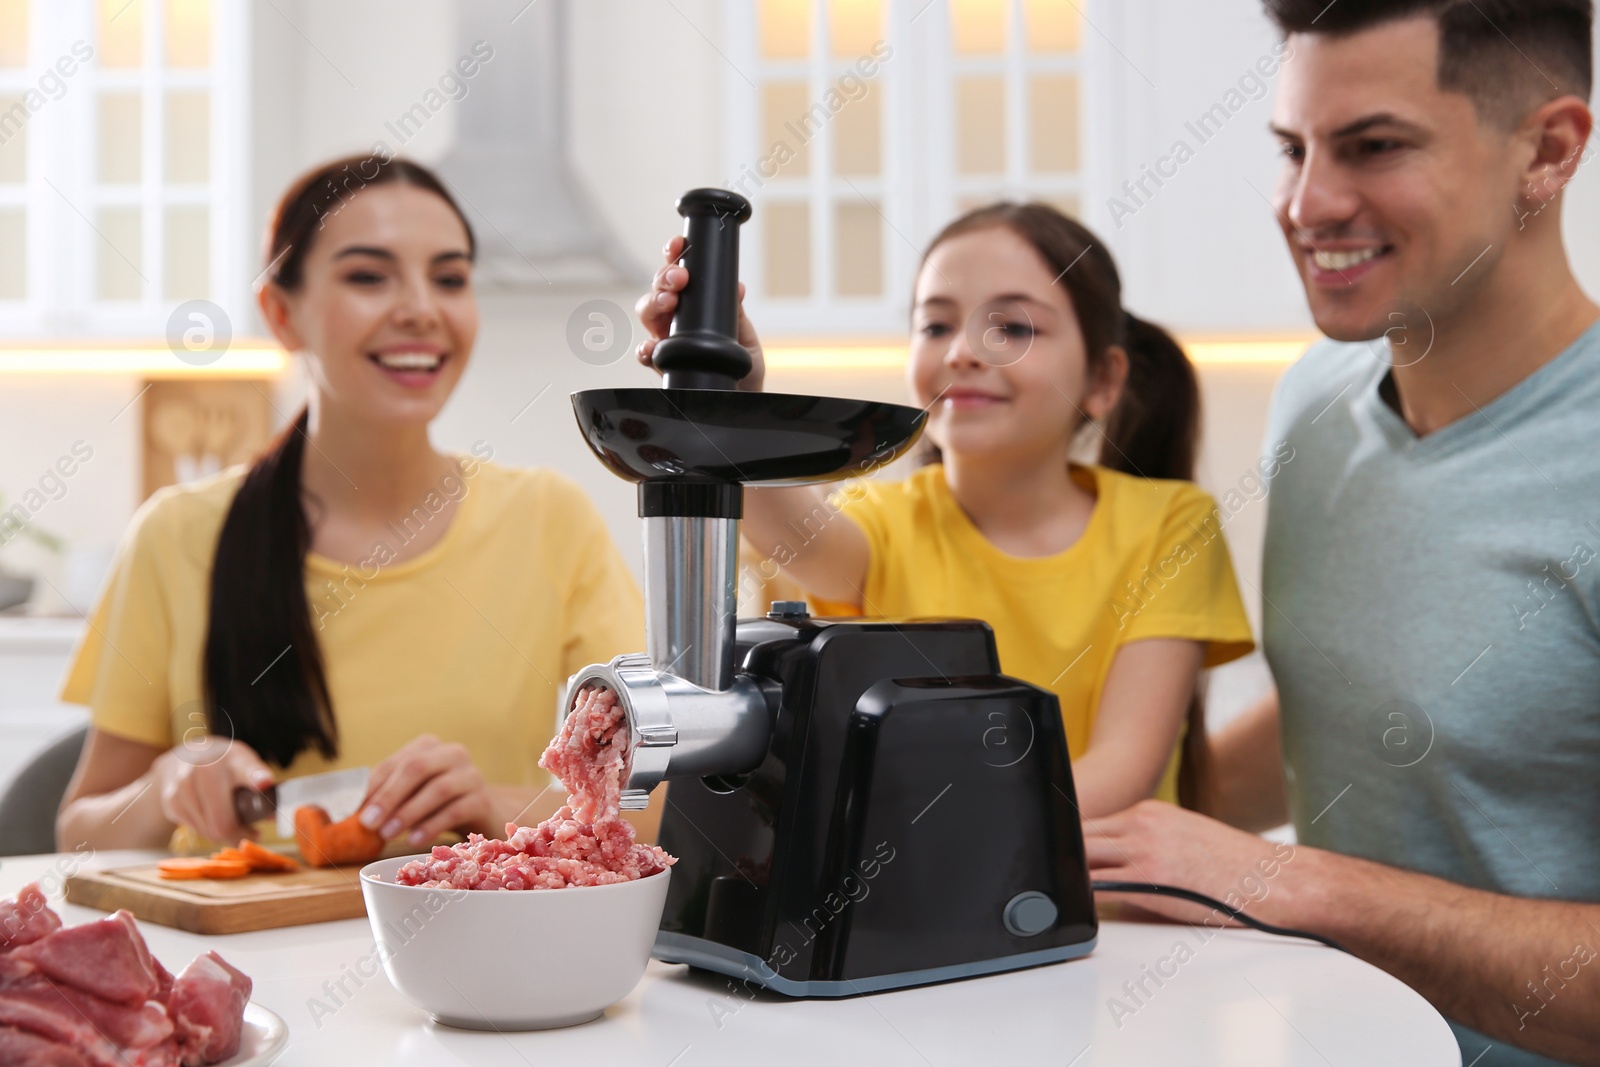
x,y
28,807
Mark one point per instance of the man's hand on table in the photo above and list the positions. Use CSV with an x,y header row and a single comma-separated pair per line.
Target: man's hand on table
x,y
1526,972
1162,843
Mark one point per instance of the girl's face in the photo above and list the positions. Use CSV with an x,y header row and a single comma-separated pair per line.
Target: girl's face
x,y
997,357
385,311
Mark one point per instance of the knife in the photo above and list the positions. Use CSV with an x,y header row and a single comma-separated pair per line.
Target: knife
x,y
339,793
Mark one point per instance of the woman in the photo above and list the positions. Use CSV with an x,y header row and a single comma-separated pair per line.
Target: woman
x,y
356,597
1107,584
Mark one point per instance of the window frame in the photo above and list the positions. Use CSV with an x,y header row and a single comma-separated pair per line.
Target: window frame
x,y
62,196
918,188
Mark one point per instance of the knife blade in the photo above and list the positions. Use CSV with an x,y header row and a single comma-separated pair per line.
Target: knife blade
x,y
339,793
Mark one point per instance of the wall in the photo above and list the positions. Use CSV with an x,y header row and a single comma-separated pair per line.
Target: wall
x,y
41,419
645,117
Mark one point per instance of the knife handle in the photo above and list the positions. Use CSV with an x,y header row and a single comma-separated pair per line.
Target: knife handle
x,y
253,805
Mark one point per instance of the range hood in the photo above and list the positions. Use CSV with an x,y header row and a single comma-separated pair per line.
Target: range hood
x,y
536,224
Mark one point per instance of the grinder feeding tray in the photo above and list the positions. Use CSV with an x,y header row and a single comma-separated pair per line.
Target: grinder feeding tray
x,y
855,804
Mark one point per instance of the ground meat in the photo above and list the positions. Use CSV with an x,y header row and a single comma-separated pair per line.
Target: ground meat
x,y
588,754
585,843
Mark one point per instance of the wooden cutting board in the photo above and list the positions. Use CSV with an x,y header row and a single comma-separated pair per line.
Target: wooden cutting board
x,y
228,906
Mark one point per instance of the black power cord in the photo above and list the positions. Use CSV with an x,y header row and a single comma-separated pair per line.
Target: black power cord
x,y
1235,914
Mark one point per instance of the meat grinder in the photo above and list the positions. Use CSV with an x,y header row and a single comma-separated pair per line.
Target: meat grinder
x,y
855,804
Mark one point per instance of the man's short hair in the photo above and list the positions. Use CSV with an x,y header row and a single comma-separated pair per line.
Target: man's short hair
x,y
1509,56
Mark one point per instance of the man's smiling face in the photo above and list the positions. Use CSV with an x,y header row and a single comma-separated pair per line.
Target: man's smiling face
x,y
1392,188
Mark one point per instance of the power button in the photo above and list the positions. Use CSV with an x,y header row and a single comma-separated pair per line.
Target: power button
x,y
1030,913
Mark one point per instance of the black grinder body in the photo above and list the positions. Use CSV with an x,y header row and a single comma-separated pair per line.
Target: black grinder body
x,y
913,821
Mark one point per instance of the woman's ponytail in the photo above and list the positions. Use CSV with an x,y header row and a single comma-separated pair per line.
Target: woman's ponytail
x,y
264,679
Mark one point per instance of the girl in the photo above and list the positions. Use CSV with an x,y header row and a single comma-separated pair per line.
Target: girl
x,y
1108,584
356,597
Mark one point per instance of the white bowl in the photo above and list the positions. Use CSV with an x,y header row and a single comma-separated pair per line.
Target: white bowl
x,y
528,959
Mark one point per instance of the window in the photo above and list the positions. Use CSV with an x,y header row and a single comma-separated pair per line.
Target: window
x,y
1014,71
122,169
859,127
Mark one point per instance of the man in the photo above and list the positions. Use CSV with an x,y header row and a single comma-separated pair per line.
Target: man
x,y
1432,571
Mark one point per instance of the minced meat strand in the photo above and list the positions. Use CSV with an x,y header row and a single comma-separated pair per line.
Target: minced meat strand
x,y
585,843
589,753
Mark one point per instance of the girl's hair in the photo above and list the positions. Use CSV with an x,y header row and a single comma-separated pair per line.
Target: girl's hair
x,y
1155,428
264,678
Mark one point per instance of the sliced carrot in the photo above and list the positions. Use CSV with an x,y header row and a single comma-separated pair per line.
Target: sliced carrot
x,y
264,859
232,855
224,869
182,868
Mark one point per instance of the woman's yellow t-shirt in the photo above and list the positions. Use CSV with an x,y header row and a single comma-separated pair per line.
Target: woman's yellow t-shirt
x,y
472,640
1152,562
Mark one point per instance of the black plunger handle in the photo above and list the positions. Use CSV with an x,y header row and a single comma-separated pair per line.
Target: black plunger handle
x,y
703,351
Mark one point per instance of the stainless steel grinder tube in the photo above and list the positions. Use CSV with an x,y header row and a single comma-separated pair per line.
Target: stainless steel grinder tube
x,y
691,597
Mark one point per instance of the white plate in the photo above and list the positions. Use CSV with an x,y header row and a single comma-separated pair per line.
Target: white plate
x,y
264,1039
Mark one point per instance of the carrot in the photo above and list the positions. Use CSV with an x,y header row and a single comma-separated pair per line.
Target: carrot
x,y
308,825
352,842
248,858
324,843
182,868
264,859
215,868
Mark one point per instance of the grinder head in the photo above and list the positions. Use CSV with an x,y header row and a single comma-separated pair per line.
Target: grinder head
x,y
675,728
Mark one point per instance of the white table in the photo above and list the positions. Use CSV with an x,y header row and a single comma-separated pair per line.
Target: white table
x,y
1243,998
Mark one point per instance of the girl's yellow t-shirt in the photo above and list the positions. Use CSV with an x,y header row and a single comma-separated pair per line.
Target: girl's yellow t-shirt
x,y
1152,562
471,641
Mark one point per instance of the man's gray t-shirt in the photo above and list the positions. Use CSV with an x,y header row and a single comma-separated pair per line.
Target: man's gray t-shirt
x,y
1432,618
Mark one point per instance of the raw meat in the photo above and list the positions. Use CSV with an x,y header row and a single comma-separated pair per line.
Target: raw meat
x,y
207,1006
107,958
125,1025
585,843
163,981
26,919
58,1025
588,754
13,969
94,996
556,854
18,1048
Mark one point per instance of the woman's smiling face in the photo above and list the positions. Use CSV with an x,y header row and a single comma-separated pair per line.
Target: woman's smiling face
x,y
997,355
385,309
